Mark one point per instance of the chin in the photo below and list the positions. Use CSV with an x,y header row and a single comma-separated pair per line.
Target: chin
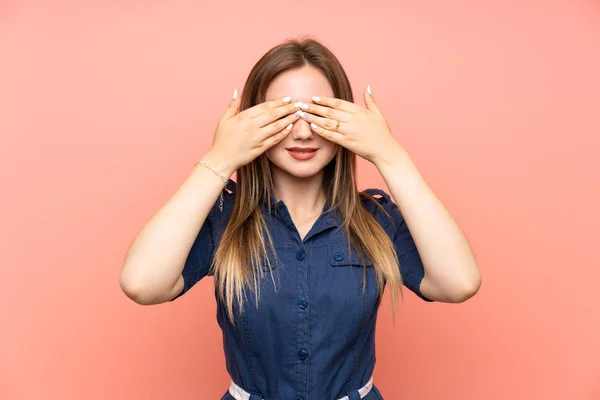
x,y
297,169
303,173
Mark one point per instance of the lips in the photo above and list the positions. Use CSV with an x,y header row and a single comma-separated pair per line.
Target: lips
x,y
302,149
302,153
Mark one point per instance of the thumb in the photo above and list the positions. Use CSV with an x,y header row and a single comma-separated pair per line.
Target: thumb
x,y
369,101
234,105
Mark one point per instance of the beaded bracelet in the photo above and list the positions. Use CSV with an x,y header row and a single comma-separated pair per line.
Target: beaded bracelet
x,y
205,165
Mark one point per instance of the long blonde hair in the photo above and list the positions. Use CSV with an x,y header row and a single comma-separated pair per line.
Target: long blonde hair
x,y
240,258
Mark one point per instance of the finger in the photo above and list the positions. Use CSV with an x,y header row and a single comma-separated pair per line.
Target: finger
x,y
234,105
267,105
277,126
272,140
326,112
338,104
369,101
325,123
276,113
332,136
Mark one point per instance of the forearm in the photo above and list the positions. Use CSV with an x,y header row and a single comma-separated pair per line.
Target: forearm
x,y
157,255
451,271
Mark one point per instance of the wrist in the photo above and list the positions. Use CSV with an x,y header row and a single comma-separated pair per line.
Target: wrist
x,y
221,164
393,153
399,168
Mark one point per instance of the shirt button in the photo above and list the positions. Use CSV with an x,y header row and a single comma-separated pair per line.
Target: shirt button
x,y
302,303
302,354
338,256
300,255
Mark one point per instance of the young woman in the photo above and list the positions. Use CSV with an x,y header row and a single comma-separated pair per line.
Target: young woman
x,y
298,256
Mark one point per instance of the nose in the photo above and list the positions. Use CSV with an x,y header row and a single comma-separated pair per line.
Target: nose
x,y
302,130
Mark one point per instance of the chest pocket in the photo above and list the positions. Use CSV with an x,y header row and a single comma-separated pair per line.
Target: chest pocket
x,y
354,288
339,256
284,253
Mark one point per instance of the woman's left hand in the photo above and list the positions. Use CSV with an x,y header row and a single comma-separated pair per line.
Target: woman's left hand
x,y
363,131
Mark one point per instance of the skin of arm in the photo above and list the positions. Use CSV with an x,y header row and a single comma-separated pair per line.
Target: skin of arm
x,y
155,259
451,271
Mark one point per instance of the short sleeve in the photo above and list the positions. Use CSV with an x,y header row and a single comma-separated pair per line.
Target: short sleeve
x,y
199,259
411,265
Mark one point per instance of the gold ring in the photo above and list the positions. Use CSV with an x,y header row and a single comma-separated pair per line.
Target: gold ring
x,y
337,126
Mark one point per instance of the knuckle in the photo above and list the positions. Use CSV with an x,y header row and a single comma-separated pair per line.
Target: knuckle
x,y
282,124
329,113
276,127
337,103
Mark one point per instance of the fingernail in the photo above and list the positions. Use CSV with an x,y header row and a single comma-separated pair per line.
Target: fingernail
x,y
316,98
298,113
369,89
235,93
298,104
304,115
304,106
289,127
287,99
312,125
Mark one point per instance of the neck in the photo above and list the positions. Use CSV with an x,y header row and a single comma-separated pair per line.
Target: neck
x,y
303,197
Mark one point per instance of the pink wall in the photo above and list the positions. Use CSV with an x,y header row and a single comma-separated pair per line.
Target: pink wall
x,y
105,106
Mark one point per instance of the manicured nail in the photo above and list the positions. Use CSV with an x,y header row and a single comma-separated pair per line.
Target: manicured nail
x,y
314,126
304,106
301,114
235,93
316,98
287,99
369,89
298,104
289,127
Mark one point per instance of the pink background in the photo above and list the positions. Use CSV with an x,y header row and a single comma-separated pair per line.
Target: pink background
x,y
106,105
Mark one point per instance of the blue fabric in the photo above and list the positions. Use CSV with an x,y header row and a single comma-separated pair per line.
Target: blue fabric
x,y
313,333
353,394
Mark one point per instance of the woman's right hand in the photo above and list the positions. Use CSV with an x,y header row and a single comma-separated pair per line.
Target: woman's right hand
x,y
241,137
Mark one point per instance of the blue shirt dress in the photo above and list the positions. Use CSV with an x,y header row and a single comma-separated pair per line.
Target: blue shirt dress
x,y
313,339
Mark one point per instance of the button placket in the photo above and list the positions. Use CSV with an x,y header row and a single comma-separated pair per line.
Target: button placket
x,y
303,318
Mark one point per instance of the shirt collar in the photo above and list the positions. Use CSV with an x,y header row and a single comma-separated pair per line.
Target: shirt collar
x,y
327,219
